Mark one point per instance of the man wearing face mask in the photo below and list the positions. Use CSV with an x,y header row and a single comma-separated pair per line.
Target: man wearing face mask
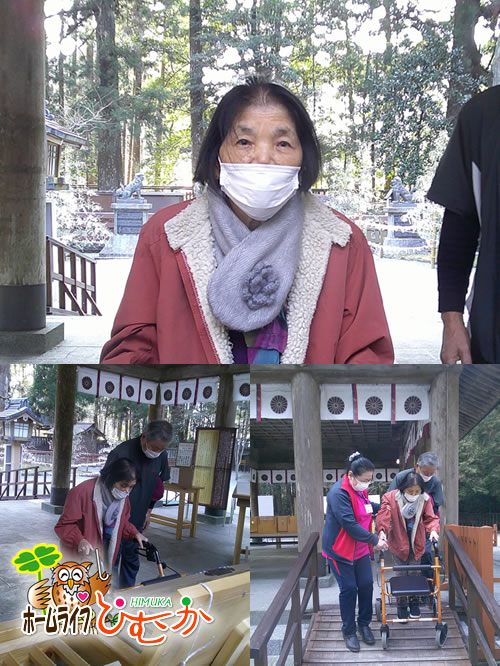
x,y
427,466
148,453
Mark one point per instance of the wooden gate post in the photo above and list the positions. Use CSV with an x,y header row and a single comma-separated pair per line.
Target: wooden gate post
x,y
308,458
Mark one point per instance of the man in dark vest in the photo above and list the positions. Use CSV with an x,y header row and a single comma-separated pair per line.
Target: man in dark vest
x,y
149,455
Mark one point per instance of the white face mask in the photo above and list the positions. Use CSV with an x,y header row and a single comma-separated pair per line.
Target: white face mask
x,y
119,494
360,485
411,498
152,454
260,190
426,478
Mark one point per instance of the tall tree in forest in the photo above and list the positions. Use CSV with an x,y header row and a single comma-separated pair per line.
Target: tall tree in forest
x,y
134,45
107,93
197,100
42,394
109,156
159,68
479,467
467,74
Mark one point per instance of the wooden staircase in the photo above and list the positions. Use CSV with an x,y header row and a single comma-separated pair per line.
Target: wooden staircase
x,y
412,643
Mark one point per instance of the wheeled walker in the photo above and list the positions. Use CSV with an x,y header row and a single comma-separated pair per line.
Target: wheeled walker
x,y
427,590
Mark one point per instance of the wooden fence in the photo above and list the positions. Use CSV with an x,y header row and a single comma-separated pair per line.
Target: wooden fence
x,y
71,281
469,565
16,483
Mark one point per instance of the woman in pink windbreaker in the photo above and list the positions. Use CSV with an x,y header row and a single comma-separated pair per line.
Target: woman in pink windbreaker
x,y
96,513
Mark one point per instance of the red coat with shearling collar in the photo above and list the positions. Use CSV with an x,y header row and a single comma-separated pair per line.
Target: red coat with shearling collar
x,y
335,310
80,520
390,519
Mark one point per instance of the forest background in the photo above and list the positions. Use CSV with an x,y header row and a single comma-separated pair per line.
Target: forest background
x,y
382,79
117,419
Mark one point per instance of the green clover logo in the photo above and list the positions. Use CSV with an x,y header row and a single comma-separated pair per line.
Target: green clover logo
x,y
33,561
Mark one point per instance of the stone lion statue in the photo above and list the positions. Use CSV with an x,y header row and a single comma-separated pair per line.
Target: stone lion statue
x,y
398,191
127,191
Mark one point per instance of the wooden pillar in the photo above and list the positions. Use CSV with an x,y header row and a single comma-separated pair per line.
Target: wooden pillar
x,y
254,502
63,432
224,418
22,166
226,408
308,456
254,485
444,397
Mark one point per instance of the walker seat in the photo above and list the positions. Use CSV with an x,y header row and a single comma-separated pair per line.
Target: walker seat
x,y
409,585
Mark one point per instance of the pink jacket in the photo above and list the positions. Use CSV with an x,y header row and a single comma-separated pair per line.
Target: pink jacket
x,y
390,519
335,310
80,520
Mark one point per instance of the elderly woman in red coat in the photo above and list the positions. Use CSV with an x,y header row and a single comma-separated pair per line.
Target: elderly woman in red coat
x,y
96,513
406,516
256,269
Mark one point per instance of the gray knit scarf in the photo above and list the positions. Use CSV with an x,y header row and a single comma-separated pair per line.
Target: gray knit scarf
x,y
409,509
255,269
110,505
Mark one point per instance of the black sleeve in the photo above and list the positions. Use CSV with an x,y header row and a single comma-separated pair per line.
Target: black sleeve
x,y
457,247
452,185
165,469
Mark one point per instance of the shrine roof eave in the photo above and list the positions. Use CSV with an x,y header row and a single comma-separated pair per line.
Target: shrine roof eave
x,y
63,135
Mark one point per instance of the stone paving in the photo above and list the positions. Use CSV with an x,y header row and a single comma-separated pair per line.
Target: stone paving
x,y
408,288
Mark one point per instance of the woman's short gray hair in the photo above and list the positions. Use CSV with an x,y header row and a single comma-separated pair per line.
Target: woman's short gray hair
x,y
428,460
158,431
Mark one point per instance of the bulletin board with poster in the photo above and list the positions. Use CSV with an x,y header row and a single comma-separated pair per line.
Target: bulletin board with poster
x,y
213,460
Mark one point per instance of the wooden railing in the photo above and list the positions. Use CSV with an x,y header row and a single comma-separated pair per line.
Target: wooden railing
x,y
14,483
478,602
72,275
290,589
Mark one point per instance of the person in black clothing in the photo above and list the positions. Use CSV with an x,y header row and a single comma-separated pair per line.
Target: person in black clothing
x,y
466,183
148,453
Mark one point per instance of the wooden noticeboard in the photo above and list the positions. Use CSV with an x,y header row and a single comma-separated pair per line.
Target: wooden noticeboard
x,y
213,460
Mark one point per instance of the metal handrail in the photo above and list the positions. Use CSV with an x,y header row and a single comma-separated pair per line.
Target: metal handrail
x,y
290,589
475,598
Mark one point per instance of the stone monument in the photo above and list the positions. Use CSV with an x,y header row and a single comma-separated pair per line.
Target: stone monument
x,y
399,203
131,212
